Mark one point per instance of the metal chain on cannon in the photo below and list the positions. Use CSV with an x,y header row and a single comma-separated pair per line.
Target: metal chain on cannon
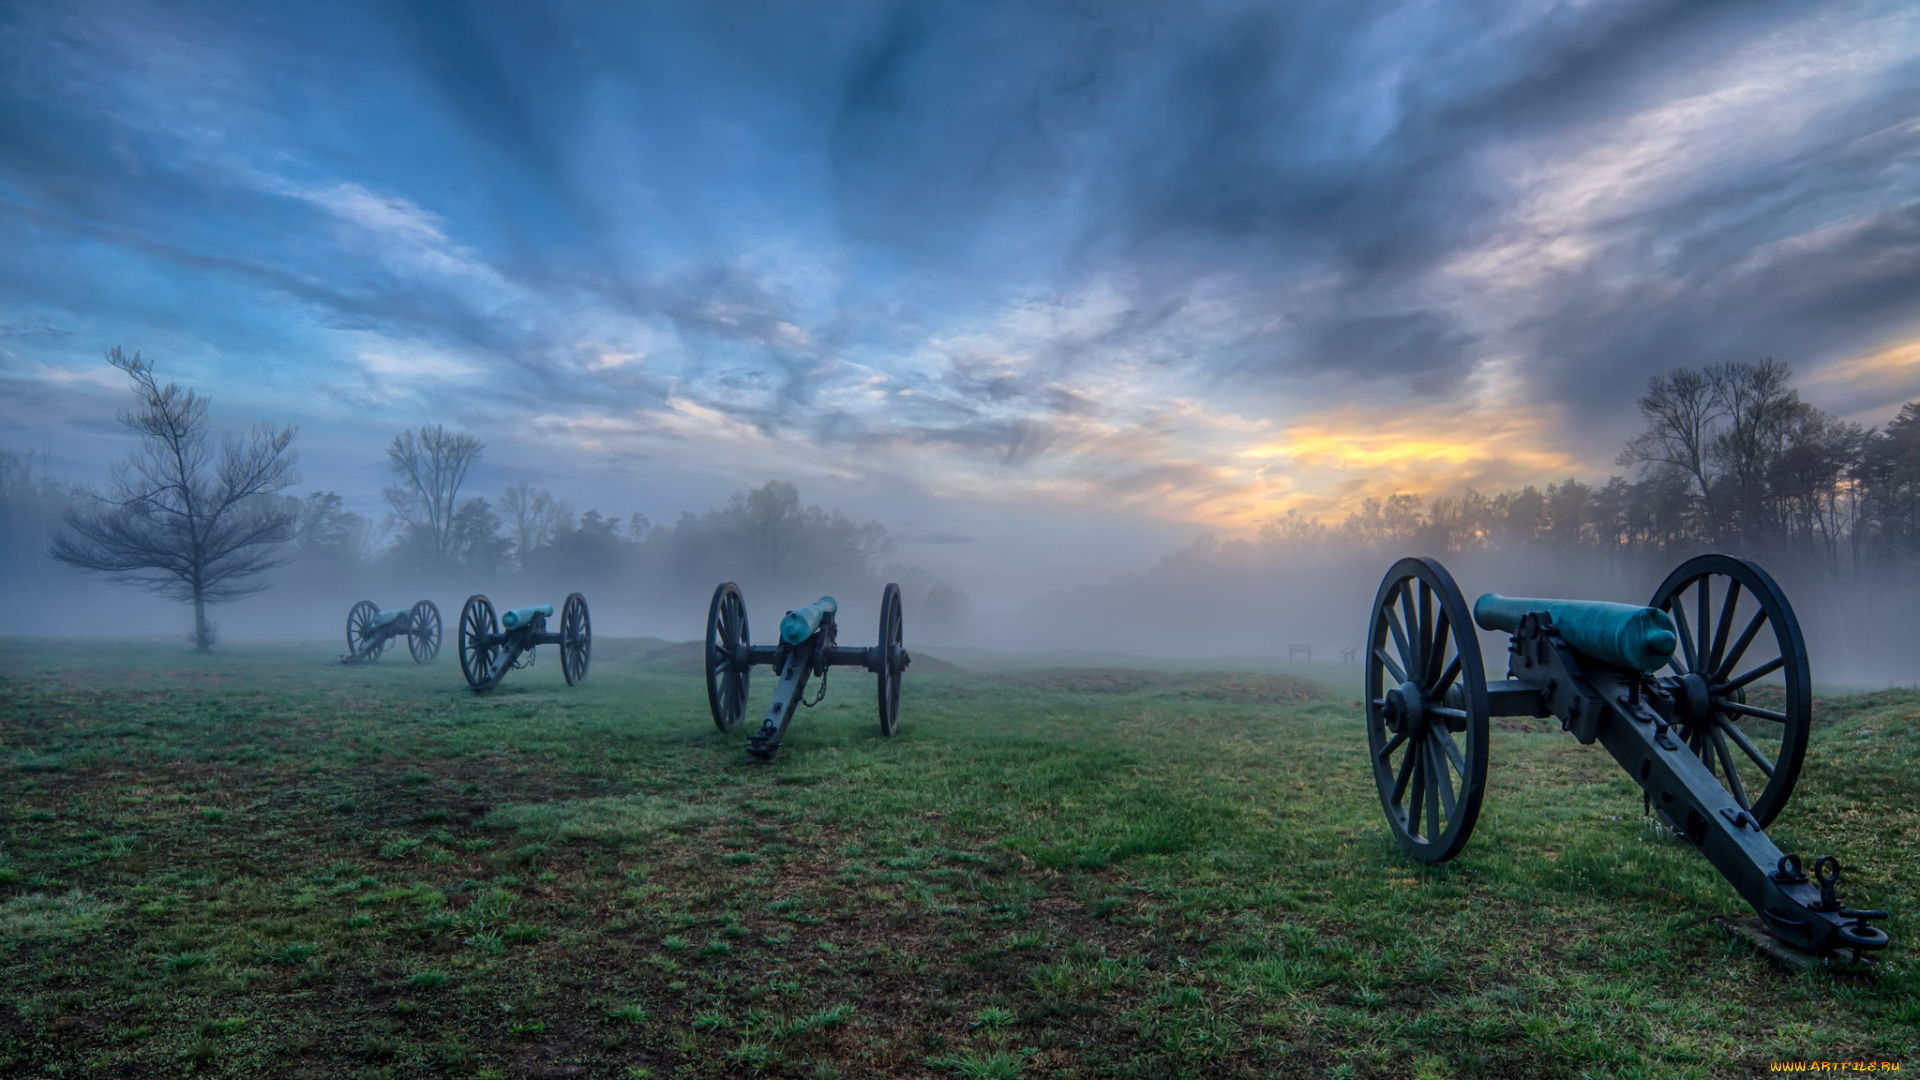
x,y
822,695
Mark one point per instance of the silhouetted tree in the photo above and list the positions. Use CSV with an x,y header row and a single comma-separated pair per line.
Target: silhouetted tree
x,y
1681,408
175,522
431,466
533,518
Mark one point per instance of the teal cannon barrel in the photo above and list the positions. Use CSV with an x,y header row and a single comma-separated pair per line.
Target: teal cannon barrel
x,y
801,623
521,616
385,618
1625,636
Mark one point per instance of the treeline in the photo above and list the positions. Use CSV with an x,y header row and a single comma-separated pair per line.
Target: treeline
x,y
1730,459
530,546
525,545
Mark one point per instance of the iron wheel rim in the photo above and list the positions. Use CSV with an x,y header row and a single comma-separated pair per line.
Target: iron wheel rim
x,y
1738,735
892,638
1420,592
727,633
423,632
477,624
360,629
576,639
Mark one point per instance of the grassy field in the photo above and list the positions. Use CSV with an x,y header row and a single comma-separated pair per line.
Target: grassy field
x,y
262,864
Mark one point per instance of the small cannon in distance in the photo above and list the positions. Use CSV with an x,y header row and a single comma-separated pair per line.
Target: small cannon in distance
x,y
369,630
1666,695
490,647
807,647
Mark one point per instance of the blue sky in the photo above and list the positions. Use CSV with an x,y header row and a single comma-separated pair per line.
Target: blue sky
x,y
1040,285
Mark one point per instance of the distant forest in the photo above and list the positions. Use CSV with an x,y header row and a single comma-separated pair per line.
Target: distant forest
x,y
1730,459
526,545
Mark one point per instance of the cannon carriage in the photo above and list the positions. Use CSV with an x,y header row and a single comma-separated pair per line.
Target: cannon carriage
x,y
370,631
1706,705
807,647
491,646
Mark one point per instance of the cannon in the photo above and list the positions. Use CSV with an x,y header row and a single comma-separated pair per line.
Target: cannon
x,y
807,648
369,630
490,647
1672,690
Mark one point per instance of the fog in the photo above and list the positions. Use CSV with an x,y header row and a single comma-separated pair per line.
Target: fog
x,y
1249,603
1135,329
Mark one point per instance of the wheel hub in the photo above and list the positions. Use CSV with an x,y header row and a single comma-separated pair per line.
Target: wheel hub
x,y
1406,711
1692,700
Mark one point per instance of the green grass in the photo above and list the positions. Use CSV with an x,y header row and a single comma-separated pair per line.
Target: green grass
x,y
261,863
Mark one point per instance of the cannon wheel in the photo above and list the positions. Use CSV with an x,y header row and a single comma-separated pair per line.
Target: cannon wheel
x,y
1432,793
360,629
892,629
477,626
726,636
576,639
1744,746
423,632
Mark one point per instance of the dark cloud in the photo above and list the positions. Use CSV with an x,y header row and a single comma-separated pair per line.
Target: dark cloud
x,y
983,215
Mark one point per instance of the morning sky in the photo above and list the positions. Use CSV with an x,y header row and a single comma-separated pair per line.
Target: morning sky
x,y
1054,285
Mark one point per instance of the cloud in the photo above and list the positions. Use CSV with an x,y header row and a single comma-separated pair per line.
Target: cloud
x,y
1202,262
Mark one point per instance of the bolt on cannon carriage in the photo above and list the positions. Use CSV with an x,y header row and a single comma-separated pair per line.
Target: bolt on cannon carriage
x,y
490,647
1665,691
370,630
807,647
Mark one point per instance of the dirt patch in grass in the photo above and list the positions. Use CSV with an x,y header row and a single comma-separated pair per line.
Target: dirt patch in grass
x,y
1226,687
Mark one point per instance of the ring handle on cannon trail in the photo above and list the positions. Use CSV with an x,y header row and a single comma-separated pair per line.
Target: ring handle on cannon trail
x,y
1425,685
361,631
1736,628
423,632
892,658
478,629
727,642
576,639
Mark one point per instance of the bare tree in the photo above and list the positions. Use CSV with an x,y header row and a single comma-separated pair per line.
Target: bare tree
x,y
1762,411
1681,408
431,466
533,517
173,521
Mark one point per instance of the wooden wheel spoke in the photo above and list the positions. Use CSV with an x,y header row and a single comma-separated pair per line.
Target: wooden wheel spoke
x,y
1751,710
1443,710
1734,785
1411,656
1726,624
1427,637
1392,745
1434,784
1417,797
1732,659
1762,671
1406,774
1745,744
1400,642
1445,682
1430,675
1705,643
1451,749
1443,781
1685,635
1392,668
